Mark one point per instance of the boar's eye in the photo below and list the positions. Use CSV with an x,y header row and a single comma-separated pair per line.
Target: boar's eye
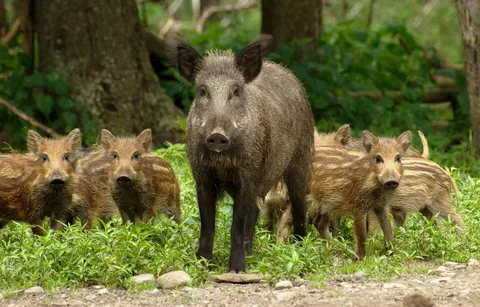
x,y
136,156
236,91
114,155
378,159
202,92
44,158
398,159
66,157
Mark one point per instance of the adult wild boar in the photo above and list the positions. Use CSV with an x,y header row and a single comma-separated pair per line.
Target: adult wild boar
x,y
249,126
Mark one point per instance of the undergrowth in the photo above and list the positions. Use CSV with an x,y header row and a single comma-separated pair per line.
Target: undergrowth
x,y
112,256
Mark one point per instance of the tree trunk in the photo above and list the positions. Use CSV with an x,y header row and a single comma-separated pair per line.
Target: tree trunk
x,y
99,47
3,18
469,14
286,19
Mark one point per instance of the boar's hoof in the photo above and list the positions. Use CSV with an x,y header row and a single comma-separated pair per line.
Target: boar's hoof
x,y
217,142
237,264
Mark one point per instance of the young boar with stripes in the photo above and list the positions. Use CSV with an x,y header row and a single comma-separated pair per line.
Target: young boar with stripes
x,y
142,184
39,184
92,198
276,209
347,182
249,126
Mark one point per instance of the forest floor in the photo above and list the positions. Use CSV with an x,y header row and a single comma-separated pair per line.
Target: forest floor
x,y
451,284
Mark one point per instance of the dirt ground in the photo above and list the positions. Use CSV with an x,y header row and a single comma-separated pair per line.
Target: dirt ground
x,y
448,285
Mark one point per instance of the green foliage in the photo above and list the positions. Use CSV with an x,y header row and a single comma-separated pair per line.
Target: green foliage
x,y
111,256
45,97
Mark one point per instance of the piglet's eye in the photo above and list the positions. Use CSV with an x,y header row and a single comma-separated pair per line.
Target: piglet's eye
x,y
236,91
114,155
202,92
44,158
136,156
378,159
398,159
66,157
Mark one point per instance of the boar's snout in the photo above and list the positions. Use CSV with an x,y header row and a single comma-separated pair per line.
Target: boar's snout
x,y
57,181
391,184
124,180
217,141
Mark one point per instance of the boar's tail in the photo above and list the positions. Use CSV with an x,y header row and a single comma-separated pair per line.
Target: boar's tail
x,y
426,150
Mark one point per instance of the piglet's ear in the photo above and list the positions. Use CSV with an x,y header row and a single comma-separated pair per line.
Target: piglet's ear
x,y
404,140
369,140
145,138
34,140
107,139
74,138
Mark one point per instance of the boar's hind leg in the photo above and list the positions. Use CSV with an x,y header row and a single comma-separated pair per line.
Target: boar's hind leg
x,y
297,178
244,212
207,197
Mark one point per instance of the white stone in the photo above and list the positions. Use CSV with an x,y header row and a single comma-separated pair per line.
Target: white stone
x,y
103,291
285,296
473,263
34,290
174,279
144,278
284,284
359,275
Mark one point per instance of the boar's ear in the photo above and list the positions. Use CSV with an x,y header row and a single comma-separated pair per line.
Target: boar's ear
x,y
249,60
145,138
107,139
344,135
34,140
404,140
186,59
74,138
369,140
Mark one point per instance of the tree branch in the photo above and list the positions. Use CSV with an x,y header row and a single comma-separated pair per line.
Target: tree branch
x,y
213,10
28,119
12,32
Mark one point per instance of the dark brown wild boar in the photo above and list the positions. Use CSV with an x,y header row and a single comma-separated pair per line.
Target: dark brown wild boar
x,y
276,209
36,185
351,183
249,126
142,184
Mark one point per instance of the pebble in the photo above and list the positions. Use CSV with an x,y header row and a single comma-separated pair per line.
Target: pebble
x,y
97,287
238,278
174,279
393,285
154,292
473,263
359,275
144,278
103,291
34,290
284,284
441,280
285,296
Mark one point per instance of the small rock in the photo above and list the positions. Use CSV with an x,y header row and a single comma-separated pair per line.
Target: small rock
x,y
348,261
441,280
1,296
174,279
187,289
144,278
34,290
285,296
91,297
359,275
102,291
284,284
440,271
97,287
450,264
154,292
392,285
473,263
238,278
417,300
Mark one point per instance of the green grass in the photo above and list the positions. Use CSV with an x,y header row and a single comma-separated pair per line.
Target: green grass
x,y
110,257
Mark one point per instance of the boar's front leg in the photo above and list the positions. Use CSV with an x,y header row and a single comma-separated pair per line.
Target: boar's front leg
x,y
243,211
382,216
207,197
360,227
251,221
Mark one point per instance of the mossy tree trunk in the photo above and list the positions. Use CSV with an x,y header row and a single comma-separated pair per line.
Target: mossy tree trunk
x,y
99,47
469,14
286,19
